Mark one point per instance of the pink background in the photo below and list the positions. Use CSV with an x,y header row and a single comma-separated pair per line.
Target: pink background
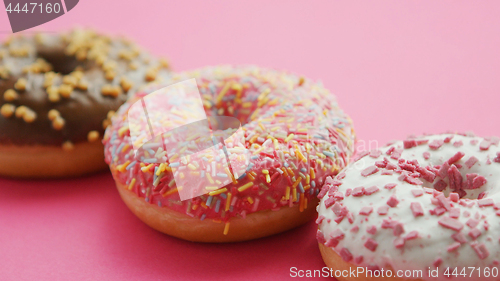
x,y
397,67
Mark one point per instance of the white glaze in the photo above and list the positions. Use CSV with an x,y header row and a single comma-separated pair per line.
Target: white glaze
x,y
433,239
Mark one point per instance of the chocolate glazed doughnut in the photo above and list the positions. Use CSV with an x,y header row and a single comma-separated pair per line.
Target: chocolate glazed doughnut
x,y
58,94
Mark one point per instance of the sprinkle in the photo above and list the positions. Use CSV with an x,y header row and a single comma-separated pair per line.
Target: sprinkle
x,y
371,244
369,171
451,223
245,186
226,228
393,201
218,191
416,209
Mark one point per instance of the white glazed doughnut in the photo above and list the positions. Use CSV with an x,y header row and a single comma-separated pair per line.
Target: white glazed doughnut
x,y
426,202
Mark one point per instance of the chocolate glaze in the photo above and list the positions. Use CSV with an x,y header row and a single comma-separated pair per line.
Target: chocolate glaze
x,y
84,110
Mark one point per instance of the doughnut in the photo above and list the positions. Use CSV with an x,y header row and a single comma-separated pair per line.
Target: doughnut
x,y
292,135
429,204
58,94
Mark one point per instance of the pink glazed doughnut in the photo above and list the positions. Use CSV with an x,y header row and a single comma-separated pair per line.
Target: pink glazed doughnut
x,y
426,203
292,128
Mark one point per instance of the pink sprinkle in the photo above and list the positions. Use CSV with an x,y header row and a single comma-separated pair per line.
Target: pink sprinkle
x,y
412,235
350,217
426,174
358,191
390,150
339,219
365,211
481,195
417,192
354,229
443,202
390,186
416,208
451,223
459,237
388,224
480,249
426,155
399,242
453,246
472,160
329,202
448,139
332,243
381,164
320,219
436,144
485,145
345,254
398,229
383,210
474,233
485,202
474,142
372,229
386,173
320,237
437,262
456,157
438,211
472,222
391,166
348,192
369,171
358,259
338,195
396,154
409,143
458,144
337,234
371,244
414,181
455,177
496,206
478,182
440,185
393,201
454,213
454,197
443,171
371,190
375,153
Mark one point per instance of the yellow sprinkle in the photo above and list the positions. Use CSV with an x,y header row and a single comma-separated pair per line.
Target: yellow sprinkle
x,y
268,178
265,172
290,171
191,166
287,193
125,147
313,176
284,171
228,201
245,186
308,179
146,168
223,92
122,131
171,191
181,175
262,127
226,228
250,176
218,191
209,177
122,167
294,194
307,187
301,156
276,144
132,183
290,137
250,200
